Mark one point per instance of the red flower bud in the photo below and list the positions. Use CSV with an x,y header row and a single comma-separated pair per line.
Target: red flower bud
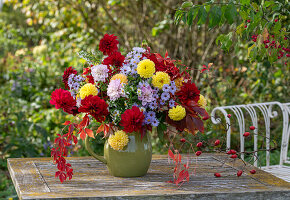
x,y
199,144
253,171
217,175
182,140
276,20
248,21
229,115
198,153
245,26
240,172
246,134
285,38
288,55
252,127
234,156
217,142
266,46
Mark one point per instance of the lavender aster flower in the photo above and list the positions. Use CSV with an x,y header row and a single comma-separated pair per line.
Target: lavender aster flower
x,y
151,114
165,96
162,101
153,105
171,103
155,123
166,88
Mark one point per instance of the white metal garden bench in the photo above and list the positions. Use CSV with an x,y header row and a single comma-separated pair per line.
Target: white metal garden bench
x,y
267,110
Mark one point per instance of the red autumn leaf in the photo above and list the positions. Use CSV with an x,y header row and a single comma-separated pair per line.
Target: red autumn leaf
x,y
71,129
84,122
75,139
66,123
83,134
101,129
198,123
90,133
62,177
171,155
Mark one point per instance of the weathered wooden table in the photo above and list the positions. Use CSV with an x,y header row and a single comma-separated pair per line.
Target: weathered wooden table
x,y
34,179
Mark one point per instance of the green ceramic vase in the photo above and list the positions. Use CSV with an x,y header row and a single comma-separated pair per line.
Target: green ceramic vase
x,y
133,161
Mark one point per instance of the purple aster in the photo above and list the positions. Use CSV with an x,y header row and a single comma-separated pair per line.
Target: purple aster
x,y
153,105
155,96
155,123
171,103
166,88
148,119
162,102
151,114
143,84
165,96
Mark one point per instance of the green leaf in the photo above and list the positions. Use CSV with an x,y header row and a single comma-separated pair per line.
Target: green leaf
x,y
244,15
245,2
214,16
191,15
277,27
231,13
186,4
202,16
178,16
268,3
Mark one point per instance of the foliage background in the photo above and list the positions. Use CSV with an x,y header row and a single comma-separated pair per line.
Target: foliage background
x,y
39,39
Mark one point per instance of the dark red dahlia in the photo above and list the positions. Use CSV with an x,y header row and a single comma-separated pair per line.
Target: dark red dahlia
x,y
90,79
67,72
188,92
62,99
108,44
95,106
132,120
115,59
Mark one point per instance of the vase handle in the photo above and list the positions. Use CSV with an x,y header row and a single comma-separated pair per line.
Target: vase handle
x,y
92,153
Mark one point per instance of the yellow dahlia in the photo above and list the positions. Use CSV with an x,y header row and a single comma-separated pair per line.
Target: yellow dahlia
x,y
146,68
119,140
121,77
159,79
177,113
88,89
179,82
202,101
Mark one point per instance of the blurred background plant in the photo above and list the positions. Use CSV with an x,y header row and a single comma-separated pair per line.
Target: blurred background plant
x,y
39,39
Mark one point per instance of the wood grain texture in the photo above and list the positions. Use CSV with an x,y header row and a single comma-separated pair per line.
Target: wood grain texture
x,y
34,179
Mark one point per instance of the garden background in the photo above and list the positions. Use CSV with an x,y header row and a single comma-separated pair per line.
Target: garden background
x,y
39,39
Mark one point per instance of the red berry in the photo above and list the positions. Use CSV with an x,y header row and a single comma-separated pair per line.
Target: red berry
x,y
279,46
231,152
229,115
248,21
252,128
245,26
273,36
266,46
182,140
234,156
198,153
217,174
199,144
217,142
285,38
253,171
276,20
288,55
246,134
240,172
273,42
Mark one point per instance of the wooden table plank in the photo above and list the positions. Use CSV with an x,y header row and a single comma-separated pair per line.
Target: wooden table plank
x,y
34,179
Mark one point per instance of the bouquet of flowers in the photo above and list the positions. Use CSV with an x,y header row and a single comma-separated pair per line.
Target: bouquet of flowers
x,y
125,94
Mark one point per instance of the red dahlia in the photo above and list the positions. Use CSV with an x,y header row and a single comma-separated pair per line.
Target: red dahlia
x,y
132,120
108,44
62,99
188,92
95,106
115,59
90,79
67,72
